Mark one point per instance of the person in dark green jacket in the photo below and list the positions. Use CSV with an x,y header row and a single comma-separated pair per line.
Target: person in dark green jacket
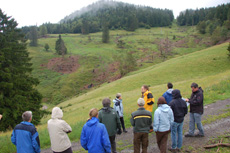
x,y
109,117
141,121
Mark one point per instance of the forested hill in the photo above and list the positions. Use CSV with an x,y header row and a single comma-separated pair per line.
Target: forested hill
x,y
118,15
218,14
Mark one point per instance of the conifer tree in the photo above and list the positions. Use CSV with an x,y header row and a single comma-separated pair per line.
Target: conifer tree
x,y
85,26
33,36
105,33
46,47
132,22
105,29
60,47
17,92
43,30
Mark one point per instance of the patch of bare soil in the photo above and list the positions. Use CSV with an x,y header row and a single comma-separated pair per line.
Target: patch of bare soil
x,y
64,65
193,145
108,73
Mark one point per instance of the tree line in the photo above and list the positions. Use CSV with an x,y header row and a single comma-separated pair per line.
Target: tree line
x,y
122,16
192,17
215,21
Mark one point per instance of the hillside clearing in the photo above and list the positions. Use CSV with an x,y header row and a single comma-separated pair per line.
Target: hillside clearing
x,y
211,67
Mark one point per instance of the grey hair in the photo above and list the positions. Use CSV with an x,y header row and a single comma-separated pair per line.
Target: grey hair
x,y
26,116
141,102
106,102
118,95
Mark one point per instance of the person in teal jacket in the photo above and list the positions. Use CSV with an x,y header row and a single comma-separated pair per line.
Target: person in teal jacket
x,y
94,136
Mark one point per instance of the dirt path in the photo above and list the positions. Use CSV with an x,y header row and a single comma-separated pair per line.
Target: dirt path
x,y
214,129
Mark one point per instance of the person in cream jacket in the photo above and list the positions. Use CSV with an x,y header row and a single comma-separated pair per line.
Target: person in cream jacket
x,y
58,131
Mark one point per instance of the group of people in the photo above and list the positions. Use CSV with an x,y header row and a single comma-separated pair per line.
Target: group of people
x,y
99,132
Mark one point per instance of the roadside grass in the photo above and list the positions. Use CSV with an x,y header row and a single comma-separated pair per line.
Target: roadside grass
x,y
212,118
216,140
212,75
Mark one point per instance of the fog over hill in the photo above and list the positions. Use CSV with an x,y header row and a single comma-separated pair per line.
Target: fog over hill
x,y
94,7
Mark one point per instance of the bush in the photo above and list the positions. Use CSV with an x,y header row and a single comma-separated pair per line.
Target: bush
x,y
228,51
174,37
46,47
120,44
147,27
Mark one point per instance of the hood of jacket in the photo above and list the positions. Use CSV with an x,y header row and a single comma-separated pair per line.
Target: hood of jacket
x,y
107,109
57,113
116,100
169,91
164,108
201,89
92,121
176,94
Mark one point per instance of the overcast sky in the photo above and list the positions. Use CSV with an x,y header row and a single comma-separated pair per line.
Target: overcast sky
x,y
31,12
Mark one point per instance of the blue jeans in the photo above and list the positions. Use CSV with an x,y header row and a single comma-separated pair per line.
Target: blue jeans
x,y
177,135
195,118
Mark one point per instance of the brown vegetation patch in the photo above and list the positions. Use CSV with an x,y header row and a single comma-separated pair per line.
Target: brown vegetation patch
x,y
64,65
181,43
223,41
144,50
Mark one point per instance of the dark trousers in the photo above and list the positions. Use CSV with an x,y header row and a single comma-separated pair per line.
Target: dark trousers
x,y
113,143
162,138
69,150
122,123
140,139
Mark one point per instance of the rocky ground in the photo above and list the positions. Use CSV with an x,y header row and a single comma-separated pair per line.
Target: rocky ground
x,y
214,127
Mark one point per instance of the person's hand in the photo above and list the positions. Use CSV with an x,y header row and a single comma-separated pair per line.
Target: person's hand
x,y
0,116
119,131
187,100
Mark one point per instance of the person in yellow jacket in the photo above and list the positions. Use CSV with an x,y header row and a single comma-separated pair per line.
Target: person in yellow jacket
x,y
148,97
149,101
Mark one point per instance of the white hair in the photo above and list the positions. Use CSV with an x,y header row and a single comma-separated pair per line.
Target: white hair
x,y
26,116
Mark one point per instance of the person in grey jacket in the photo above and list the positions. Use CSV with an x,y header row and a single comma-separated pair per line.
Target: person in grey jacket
x,y
58,130
118,106
163,119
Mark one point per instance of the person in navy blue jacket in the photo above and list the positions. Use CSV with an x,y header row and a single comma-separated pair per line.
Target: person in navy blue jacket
x,y
25,135
94,136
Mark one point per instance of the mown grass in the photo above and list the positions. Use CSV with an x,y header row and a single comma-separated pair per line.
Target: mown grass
x,y
209,68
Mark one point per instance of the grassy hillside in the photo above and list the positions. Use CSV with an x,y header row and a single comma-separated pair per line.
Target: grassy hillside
x,y
94,55
209,68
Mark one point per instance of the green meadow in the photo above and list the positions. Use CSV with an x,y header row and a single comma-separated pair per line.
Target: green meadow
x,y
93,54
209,67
